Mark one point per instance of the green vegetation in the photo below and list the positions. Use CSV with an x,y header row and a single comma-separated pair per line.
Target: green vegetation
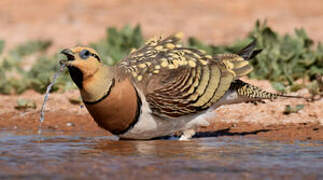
x,y
285,59
290,62
289,109
118,44
24,104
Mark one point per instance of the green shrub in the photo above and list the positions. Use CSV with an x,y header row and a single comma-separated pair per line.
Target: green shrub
x,y
285,59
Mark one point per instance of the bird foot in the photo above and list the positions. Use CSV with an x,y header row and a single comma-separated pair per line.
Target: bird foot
x,y
187,135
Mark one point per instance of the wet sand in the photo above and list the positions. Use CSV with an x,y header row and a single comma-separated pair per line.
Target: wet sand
x,y
262,121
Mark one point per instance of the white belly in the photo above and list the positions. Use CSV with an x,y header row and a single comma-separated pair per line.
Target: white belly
x,y
150,126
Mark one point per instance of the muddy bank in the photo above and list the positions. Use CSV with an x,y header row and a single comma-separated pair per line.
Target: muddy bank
x,y
68,123
264,121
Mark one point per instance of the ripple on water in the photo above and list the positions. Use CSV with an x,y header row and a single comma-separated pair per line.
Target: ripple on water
x,y
80,155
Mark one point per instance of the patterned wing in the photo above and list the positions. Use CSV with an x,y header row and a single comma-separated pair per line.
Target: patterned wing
x,y
157,54
178,81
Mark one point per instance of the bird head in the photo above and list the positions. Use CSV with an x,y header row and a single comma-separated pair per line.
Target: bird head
x,y
82,63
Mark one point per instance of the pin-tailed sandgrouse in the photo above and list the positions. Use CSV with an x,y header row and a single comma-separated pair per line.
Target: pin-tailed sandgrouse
x,y
161,88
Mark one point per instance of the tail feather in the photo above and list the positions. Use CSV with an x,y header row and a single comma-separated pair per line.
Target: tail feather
x,y
242,68
252,93
239,63
248,52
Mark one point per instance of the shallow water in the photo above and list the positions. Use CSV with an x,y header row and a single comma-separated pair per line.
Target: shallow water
x,y
84,156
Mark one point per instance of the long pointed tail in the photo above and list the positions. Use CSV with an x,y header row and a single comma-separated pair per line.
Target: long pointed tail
x,y
252,93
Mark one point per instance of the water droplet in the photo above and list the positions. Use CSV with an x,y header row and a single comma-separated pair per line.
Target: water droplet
x,y
49,87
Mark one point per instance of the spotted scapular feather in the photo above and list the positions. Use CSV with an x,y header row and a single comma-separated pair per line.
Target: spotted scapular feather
x,y
177,80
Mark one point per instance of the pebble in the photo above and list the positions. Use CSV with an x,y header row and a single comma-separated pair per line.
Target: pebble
x,y
69,124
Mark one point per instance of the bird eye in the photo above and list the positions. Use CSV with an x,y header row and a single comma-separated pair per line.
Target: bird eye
x,y
84,54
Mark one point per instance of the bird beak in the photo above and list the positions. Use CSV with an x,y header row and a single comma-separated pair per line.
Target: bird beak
x,y
69,54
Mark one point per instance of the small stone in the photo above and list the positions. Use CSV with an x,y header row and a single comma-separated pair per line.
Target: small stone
x,y
69,124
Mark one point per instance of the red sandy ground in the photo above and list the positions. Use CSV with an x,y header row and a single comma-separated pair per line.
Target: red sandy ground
x,y
69,22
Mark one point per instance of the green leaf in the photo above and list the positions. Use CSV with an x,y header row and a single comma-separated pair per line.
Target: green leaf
x,y
289,109
278,86
2,45
24,104
30,47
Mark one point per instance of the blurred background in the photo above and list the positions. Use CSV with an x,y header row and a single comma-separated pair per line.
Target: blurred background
x,y
72,146
67,22
32,32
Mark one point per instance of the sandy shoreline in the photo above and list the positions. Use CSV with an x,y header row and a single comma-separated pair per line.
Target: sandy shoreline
x,y
261,121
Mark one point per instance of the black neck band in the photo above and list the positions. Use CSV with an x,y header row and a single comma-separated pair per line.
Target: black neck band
x,y
103,97
135,120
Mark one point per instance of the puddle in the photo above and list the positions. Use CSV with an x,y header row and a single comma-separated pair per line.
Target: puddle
x,y
84,156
